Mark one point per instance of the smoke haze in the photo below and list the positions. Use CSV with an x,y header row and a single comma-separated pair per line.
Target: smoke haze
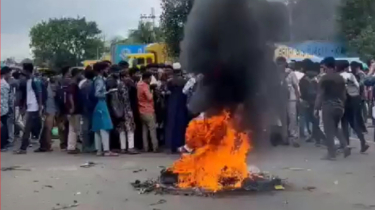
x,y
226,41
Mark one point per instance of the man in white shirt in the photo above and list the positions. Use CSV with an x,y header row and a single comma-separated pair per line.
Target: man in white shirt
x,y
289,122
352,111
32,96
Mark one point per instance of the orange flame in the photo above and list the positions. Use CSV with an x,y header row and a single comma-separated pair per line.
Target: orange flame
x,y
219,158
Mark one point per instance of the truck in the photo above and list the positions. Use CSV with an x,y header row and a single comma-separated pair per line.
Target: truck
x,y
136,55
140,55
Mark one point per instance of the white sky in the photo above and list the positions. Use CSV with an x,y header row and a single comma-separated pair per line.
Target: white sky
x,y
114,17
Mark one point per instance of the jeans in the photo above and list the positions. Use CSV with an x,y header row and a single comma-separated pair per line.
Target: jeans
x,y
331,118
87,135
10,124
304,120
352,117
317,133
33,122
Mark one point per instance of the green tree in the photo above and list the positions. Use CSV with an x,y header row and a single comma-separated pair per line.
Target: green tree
x,y
145,33
173,18
357,22
66,41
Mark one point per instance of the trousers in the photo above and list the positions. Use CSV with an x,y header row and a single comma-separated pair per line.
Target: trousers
x,y
102,141
74,130
4,131
87,135
33,122
352,117
289,123
128,138
149,125
331,118
317,133
46,137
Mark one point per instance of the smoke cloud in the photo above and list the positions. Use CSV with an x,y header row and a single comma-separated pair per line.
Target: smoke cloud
x,y
226,41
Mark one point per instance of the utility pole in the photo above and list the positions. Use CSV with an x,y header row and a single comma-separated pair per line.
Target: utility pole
x,y
151,17
289,6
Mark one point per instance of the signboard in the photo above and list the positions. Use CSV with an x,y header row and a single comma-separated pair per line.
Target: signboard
x,y
310,49
120,52
291,53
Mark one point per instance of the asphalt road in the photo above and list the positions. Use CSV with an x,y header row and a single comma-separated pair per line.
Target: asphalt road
x,y
56,180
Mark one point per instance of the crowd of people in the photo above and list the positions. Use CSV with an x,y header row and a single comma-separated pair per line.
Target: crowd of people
x,y
112,109
336,93
109,109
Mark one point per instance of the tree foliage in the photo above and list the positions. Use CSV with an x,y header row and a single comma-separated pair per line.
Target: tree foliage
x,y
145,33
357,22
67,41
173,18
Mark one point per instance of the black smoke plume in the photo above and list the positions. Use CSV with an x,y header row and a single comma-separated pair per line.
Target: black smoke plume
x,y
226,41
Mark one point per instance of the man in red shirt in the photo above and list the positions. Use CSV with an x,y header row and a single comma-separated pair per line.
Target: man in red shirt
x,y
146,109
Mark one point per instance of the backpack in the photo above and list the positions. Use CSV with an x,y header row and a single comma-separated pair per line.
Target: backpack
x,y
84,97
313,88
116,105
61,98
38,86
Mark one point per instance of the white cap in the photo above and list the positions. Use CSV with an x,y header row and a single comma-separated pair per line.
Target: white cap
x,y
176,66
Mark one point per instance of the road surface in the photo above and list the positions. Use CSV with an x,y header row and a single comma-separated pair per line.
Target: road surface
x,y
56,180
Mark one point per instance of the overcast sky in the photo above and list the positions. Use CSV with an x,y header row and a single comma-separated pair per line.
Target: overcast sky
x,y
114,17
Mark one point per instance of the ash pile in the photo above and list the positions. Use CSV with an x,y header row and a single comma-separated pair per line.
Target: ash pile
x,y
167,183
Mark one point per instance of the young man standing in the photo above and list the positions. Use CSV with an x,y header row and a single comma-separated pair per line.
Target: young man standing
x,y
291,83
32,97
352,112
309,90
147,112
88,145
49,118
75,111
6,101
331,99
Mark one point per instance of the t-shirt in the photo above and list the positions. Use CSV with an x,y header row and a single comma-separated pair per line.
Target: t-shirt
x,y
31,100
145,98
332,91
352,85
